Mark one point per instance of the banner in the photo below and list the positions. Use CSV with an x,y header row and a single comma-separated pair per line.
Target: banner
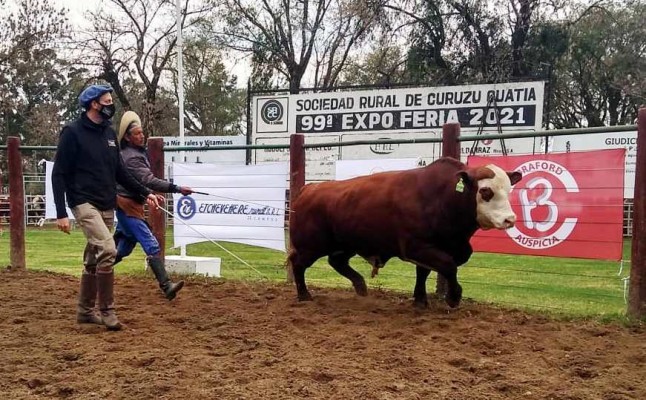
x,y
50,206
245,204
603,141
517,104
347,169
567,205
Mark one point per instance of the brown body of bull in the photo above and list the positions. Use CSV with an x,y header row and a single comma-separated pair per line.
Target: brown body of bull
x,y
425,215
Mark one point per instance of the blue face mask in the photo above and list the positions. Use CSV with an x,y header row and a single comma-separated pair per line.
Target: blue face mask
x,y
107,110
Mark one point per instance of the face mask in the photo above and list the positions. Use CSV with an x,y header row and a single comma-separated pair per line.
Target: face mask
x,y
107,110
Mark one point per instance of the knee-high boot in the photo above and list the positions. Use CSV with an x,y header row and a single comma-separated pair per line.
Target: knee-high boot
x,y
85,313
105,294
169,288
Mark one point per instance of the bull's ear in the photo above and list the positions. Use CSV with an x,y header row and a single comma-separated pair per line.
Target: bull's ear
x,y
514,177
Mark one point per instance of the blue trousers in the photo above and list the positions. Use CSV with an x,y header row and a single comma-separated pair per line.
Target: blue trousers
x,y
132,230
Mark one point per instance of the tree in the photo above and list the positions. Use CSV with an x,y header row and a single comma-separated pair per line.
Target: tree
x,y
295,34
600,79
137,39
213,104
34,82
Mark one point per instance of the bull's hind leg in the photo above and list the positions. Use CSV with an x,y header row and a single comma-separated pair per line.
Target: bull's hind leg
x,y
339,261
299,264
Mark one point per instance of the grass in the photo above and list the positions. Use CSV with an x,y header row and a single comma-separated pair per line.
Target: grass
x,y
569,287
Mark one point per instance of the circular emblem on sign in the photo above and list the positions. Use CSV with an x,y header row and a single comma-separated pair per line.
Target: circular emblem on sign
x,y
543,223
186,207
271,112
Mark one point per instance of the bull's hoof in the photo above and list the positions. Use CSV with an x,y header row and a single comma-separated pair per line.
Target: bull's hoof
x,y
453,303
361,289
305,296
420,304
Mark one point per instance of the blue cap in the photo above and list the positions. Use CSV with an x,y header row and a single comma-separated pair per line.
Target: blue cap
x,y
91,93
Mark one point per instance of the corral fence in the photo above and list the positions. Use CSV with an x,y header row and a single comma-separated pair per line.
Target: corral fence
x,y
634,211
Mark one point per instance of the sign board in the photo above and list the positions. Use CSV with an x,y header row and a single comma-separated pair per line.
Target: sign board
x,y
347,169
567,205
319,161
245,204
237,157
517,105
601,141
402,113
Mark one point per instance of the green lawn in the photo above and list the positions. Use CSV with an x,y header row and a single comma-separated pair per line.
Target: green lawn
x,y
572,287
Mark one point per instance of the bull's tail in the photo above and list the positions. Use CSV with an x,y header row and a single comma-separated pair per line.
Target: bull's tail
x,y
289,265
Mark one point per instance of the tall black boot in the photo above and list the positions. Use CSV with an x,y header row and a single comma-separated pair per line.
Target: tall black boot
x,y
169,288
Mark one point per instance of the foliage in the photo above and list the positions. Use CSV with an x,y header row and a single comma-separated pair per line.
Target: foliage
x,y
214,106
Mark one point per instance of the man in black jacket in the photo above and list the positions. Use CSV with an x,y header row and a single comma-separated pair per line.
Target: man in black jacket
x,y
86,170
131,225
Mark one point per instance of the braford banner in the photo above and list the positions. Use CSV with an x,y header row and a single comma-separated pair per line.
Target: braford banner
x,y
404,114
245,204
601,141
567,205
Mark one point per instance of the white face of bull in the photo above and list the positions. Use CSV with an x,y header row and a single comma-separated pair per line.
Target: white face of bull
x,y
493,207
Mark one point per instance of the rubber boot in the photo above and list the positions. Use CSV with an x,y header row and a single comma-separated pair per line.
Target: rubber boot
x,y
105,294
169,288
85,313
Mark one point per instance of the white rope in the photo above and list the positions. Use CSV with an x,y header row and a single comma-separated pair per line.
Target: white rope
x,y
621,267
214,242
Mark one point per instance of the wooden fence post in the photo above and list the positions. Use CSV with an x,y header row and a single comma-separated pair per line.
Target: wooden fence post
x,y
637,291
157,218
296,178
450,148
16,205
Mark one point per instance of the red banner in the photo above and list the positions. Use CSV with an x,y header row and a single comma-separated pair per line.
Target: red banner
x,y
567,205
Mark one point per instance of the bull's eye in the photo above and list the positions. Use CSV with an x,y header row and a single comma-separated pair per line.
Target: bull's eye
x,y
486,193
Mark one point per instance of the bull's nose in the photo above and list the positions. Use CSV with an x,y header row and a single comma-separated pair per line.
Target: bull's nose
x,y
510,221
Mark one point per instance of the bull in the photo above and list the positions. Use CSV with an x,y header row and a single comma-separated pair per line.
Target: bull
x,y
425,216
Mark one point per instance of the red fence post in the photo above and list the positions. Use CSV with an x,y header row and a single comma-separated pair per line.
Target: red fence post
x,y
450,148
637,291
296,176
17,205
156,217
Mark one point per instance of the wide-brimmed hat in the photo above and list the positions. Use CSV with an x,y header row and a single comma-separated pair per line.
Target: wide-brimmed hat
x,y
129,120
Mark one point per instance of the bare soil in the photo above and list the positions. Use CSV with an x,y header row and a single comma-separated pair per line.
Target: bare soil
x,y
233,340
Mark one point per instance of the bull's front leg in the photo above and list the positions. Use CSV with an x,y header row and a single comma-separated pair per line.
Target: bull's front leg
x,y
426,257
419,294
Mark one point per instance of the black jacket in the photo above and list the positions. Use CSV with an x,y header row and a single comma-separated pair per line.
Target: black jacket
x,y
88,166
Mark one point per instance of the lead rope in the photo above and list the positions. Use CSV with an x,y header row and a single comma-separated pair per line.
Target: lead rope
x,y
214,242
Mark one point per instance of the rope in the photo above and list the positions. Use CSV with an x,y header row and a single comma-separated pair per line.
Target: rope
x,y
214,242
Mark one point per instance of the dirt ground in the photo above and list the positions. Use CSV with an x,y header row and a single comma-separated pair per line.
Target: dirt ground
x,y
232,340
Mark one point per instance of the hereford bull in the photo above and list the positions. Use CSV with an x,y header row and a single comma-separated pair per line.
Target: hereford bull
x,y
425,216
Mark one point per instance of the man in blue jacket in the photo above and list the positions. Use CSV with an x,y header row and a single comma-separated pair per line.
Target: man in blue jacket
x,y
86,170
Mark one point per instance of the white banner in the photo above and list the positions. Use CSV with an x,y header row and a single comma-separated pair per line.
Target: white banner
x,y
50,207
604,141
319,161
347,169
245,204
